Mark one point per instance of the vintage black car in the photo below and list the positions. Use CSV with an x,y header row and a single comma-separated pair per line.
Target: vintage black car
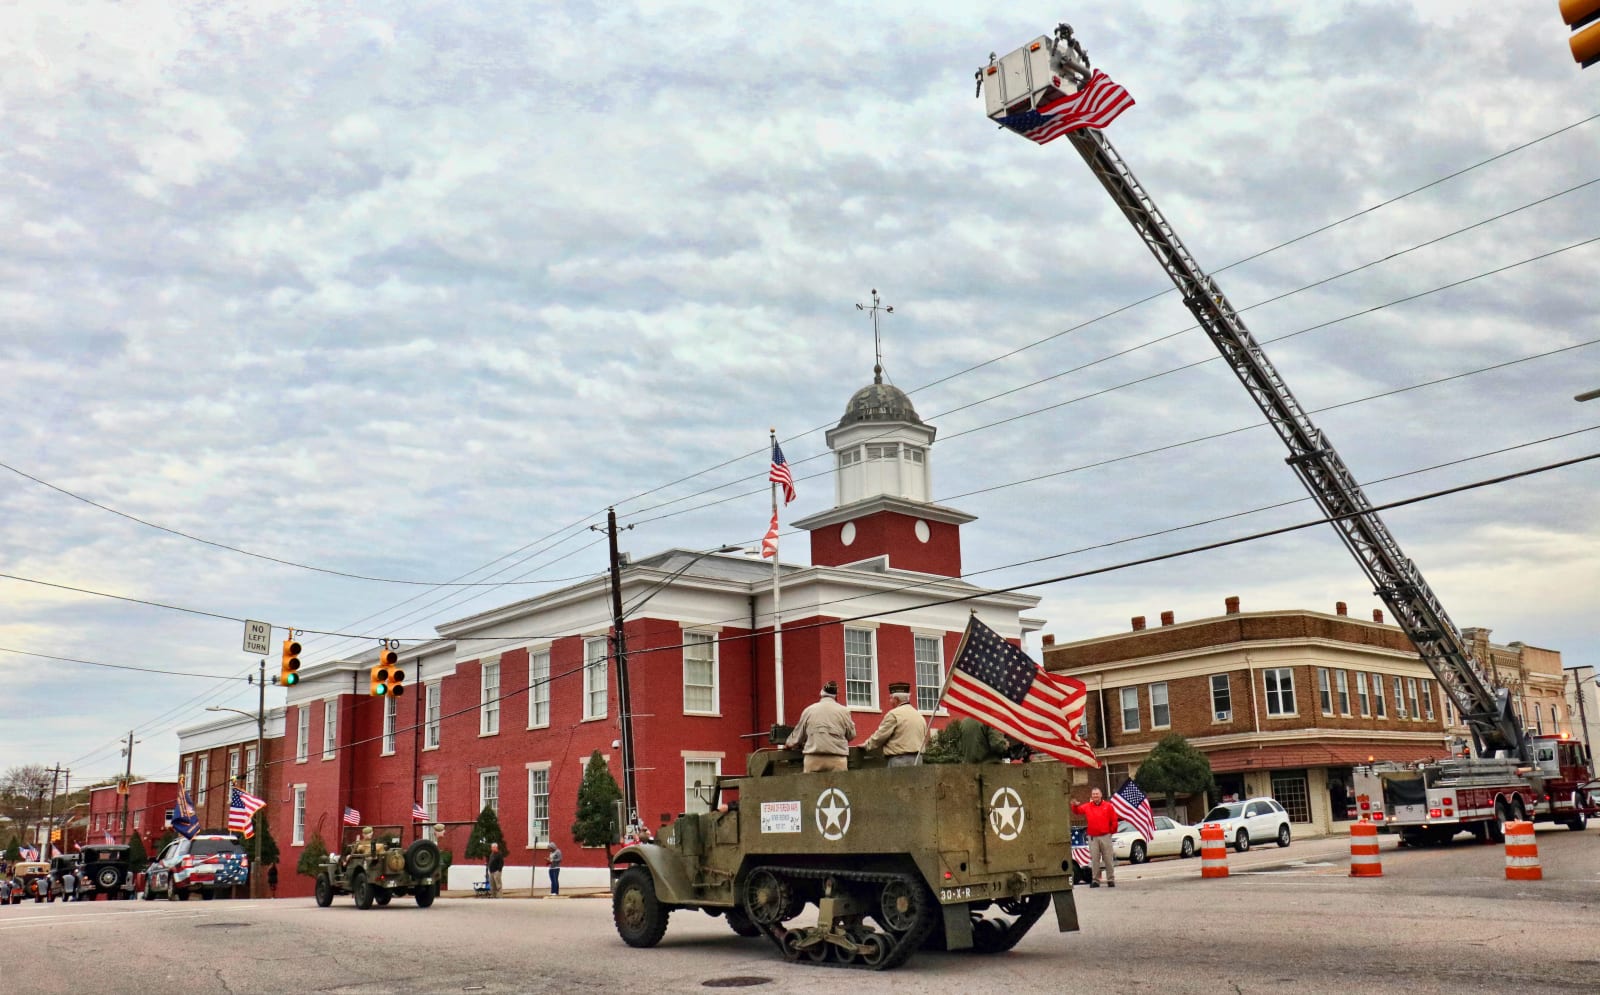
x,y
104,869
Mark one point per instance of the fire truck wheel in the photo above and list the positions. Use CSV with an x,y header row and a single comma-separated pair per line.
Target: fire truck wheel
x,y
1578,824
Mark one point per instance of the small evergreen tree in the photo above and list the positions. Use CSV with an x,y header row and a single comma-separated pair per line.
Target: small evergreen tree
x,y
485,831
138,860
166,837
312,856
14,849
597,806
1172,767
944,747
269,846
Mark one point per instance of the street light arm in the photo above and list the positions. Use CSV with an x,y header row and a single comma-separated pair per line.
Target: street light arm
x,y
661,584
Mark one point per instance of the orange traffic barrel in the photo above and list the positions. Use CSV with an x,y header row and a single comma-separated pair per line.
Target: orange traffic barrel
x,y
1213,852
1364,862
1522,853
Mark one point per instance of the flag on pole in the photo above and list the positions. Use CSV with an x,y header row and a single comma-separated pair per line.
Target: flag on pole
x,y
241,807
418,813
1095,106
352,817
769,542
184,821
1080,846
997,684
779,474
108,837
55,851
29,852
1132,805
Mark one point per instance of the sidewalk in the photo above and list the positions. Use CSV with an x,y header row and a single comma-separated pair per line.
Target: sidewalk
x,y
533,893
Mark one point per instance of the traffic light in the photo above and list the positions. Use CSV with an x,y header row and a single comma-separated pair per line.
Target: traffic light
x,y
387,679
397,677
1585,41
291,664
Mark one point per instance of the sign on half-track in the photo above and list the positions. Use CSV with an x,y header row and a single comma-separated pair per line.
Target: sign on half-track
x,y
943,856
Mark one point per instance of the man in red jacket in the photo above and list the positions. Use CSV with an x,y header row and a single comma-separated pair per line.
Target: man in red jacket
x,y
1100,822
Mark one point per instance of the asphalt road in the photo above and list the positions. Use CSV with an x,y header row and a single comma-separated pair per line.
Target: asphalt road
x,y
1440,920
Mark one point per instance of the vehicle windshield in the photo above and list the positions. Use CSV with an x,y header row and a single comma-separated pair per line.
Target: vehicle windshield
x,y
1221,812
205,848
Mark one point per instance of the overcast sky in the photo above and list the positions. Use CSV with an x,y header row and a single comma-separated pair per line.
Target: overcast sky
x,y
415,291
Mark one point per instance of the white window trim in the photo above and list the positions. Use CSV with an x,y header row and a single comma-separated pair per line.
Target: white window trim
x,y
482,801
330,728
872,646
391,716
1363,695
715,760
716,671
1122,708
1211,688
938,641
1380,703
233,766
1167,690
432,810
1341,692
432,728
302,728
1325,691
489,709
533,839
1293,691
297,815
205,777
604,670
536,686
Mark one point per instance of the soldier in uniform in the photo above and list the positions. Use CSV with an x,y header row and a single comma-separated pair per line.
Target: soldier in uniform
x,y
902,731
980,744
824,732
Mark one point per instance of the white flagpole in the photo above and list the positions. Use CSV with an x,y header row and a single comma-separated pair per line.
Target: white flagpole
x,y
777,617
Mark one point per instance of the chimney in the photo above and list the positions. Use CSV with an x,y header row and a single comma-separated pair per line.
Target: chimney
x,y
1232,605
1049,638
1377,614
1341,608
1138,622
1167,618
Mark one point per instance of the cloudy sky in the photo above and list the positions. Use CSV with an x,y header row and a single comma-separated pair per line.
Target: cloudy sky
x,y
416,291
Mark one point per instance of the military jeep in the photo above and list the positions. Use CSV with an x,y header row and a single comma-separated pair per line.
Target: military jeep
x,y
373,868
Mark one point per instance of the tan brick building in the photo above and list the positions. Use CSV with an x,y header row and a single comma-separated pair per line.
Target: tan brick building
x,y
1284,703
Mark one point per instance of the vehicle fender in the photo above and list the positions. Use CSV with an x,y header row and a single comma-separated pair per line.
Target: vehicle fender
x,y
671,878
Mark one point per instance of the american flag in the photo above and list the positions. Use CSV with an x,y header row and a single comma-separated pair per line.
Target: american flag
x,y
352,817
108,837
769,542
232,868
1132,805
996,683
418,813
779,474
241,808
1095,106
29,853
1080,846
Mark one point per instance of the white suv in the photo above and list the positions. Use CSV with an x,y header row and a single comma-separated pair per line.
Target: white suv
x,y
1252,820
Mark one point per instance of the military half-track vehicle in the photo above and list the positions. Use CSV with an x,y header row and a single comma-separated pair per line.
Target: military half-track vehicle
x,y
945,856
373,868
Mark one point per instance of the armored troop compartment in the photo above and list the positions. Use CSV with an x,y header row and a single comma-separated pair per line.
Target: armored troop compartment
x,y
949,856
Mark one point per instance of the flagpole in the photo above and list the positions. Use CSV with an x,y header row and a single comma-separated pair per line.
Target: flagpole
x,y
927,732
777,617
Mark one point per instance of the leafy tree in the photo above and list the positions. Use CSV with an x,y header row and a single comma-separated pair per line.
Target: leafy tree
x,y
485,831
138,860
597,806
312,856
944,747
24,791
1173,767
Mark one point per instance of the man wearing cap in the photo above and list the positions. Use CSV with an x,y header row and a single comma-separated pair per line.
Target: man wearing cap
x,y
902,731
824,732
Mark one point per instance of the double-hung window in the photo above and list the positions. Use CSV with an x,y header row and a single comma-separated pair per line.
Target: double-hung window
x,y
330,727
538,804
539,689
1160,712
1324,691
1362,698
391,709
1221,698
1380,701
1280,690
489,699
489,789
860,668
699,673
433,721
1130,709
929,651
594,678
299,837
302,739
1342,682
699,781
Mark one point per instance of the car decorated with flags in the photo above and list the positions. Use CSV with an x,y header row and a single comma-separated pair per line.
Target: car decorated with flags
x,y
203,864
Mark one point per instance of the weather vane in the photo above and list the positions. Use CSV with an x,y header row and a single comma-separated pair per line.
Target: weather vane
x,y
877,342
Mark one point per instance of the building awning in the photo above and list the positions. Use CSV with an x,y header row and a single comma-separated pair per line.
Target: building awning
x,y
1284,757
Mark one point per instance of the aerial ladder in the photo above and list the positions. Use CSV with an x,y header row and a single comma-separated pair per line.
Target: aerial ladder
x,y
1021,91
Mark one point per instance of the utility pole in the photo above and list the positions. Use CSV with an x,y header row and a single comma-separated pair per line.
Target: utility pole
x,y
620,650
1583,717
127,785
261,731
50,816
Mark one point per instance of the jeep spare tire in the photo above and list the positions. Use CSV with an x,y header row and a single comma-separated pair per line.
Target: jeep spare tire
x,y
422,859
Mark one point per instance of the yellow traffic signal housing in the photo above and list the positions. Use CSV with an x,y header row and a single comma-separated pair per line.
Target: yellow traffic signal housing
x,y
378,682
1585,41
287,674
397,681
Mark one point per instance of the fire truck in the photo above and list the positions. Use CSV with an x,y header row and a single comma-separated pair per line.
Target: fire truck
x,y
1433,801
1048,89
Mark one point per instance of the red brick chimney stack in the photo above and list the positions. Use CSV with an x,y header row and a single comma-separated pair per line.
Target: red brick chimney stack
x,y
1167,618
1049,638
1341,608
1138,622
1377,614
1232,605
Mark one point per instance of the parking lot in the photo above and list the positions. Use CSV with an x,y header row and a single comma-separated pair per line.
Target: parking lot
x,y
1439,920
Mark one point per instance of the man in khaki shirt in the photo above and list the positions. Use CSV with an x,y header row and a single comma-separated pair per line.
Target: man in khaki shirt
x,y
902,731
824,732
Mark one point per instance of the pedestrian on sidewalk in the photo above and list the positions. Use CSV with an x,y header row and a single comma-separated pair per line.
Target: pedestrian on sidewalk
x,y
555,868
1100,822
497,863
272,880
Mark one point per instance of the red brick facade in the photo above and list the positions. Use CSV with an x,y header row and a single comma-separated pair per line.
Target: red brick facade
x,y
148,803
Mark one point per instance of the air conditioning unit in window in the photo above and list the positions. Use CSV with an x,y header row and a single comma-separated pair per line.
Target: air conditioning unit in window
x,y
1224,716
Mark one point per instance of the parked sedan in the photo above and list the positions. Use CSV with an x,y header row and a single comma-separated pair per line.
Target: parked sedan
x,y
1254,820
1171,838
